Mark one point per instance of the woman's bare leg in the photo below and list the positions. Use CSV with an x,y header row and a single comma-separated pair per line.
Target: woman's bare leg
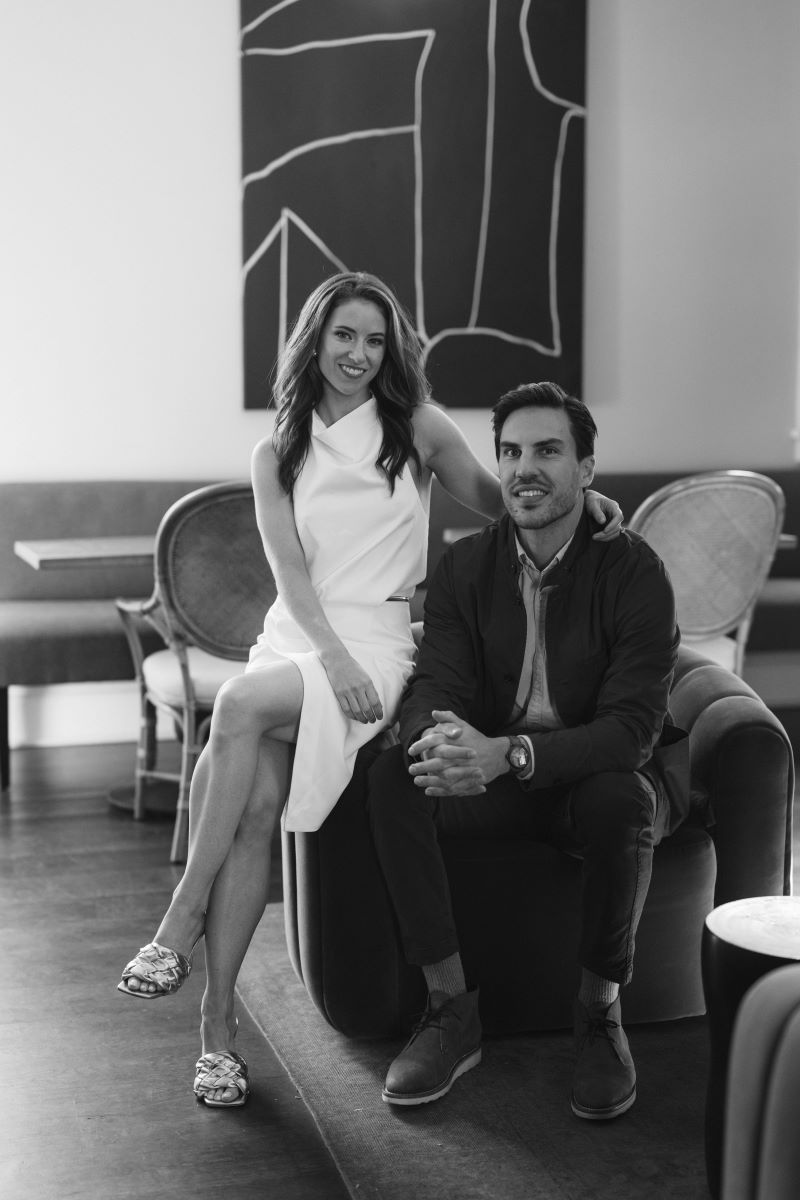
x,y
247,707
238,899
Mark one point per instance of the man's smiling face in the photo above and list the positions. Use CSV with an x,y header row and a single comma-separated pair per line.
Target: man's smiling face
x,y
541,476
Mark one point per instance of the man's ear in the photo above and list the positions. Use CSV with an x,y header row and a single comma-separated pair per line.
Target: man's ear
x,y
587,471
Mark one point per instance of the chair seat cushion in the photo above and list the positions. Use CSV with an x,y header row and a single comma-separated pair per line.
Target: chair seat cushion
x,y
162,675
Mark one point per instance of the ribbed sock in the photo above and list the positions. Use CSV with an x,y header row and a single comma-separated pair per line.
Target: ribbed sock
x,y
446,976
596,990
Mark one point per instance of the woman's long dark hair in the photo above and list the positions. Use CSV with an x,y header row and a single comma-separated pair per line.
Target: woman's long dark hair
x,y
399,387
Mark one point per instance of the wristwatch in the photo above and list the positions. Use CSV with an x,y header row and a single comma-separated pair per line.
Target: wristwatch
x,y
518,756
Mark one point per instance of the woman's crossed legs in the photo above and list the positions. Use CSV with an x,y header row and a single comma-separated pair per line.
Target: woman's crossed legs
x,y
238,790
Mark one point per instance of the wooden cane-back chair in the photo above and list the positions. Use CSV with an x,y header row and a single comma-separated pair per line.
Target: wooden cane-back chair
x,y
717,533
212,589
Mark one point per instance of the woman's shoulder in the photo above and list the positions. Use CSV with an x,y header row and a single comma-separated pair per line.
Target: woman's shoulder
x,y
264,464
264,455
264,450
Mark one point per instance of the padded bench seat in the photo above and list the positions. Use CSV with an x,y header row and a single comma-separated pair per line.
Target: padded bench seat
x,y
776,621
73,640
61,626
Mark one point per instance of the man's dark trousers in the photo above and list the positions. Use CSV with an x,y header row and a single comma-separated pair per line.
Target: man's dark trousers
x,y
613,820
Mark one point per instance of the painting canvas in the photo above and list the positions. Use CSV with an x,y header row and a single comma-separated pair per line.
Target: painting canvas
x,y
437,144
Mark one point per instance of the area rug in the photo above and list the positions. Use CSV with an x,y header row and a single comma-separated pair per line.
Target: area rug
x,y
505,1132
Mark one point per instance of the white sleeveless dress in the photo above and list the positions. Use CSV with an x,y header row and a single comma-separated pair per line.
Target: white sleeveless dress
x,y
362,544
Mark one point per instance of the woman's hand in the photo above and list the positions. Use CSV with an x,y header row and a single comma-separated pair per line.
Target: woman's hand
x,y
607,513
353,687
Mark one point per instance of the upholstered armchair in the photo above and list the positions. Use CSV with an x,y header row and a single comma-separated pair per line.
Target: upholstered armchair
x,y
517,902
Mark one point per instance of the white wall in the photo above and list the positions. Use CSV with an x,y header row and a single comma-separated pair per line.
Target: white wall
x,y
120,245
693,228
120,300
120,303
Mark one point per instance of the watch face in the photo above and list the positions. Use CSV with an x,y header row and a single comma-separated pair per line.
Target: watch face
x,y
518,758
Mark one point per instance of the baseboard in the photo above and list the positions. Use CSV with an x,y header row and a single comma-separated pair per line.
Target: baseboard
x,y
78,714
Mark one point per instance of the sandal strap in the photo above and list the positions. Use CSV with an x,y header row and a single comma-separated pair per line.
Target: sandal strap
x,y
220,1070
167,969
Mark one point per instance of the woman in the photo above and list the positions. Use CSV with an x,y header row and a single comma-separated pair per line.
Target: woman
x,y
341,491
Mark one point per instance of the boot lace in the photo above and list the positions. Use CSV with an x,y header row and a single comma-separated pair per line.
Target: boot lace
x,y
599,1027
433,1018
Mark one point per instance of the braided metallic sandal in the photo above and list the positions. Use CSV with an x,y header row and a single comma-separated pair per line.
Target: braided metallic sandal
x,y
221,1070
167,969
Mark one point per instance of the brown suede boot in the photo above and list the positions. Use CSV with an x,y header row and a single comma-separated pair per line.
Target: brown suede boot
x,y
604,1084
445,1044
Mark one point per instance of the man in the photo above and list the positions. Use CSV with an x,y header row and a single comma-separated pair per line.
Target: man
x,y
538,700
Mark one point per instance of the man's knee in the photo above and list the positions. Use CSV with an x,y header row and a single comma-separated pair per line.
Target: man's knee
x,y
612,803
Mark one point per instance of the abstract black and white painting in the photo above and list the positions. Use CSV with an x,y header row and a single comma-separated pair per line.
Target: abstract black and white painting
x,y
437,144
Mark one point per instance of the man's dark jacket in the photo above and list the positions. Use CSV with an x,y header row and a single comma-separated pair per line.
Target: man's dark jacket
x,y
611,641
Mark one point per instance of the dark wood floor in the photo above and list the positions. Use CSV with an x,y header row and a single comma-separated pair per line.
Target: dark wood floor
x,y
96,1100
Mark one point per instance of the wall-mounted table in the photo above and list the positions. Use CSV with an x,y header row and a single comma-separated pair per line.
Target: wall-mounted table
x,y
58,553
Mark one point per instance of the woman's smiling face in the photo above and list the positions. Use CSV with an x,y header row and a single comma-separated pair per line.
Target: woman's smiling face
x,y
351,348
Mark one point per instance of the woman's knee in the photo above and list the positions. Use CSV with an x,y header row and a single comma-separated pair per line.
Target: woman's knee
x,y
235,712
259,702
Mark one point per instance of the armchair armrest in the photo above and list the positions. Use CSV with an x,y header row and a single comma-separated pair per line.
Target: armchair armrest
x,y
742,764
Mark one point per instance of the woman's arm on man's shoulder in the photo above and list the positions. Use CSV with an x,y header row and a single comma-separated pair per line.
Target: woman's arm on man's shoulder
x,y
445,451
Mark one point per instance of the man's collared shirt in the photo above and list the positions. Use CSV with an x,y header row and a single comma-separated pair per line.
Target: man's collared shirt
x,y
533,709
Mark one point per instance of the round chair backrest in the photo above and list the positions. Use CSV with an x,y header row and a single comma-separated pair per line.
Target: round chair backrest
x,y
211,571
716,533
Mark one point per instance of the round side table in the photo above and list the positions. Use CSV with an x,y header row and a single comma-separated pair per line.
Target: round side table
x,y
742,941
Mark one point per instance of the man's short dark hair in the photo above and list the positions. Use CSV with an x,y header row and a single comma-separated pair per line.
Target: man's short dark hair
x,y
547,395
